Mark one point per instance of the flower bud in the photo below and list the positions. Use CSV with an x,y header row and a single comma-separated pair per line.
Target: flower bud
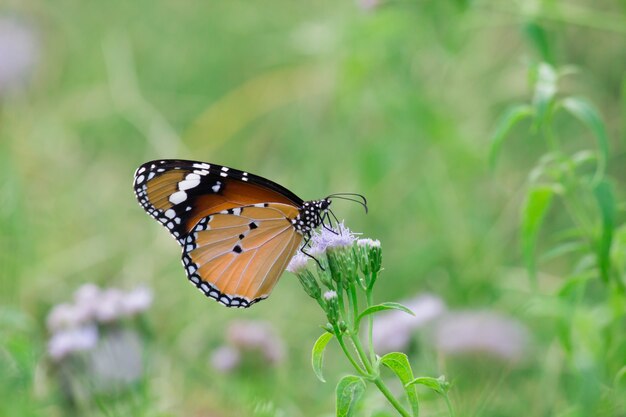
x,y
309,283
370,259
332,306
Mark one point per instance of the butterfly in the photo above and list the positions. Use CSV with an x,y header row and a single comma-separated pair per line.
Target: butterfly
x,y
238,231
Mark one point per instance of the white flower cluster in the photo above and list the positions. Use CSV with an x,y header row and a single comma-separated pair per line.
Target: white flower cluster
x,y
73,326
321,241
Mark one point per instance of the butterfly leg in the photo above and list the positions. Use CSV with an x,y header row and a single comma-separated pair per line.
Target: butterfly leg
x,y
307,241
330,223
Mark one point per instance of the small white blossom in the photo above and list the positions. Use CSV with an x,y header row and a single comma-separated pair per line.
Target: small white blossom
x,y
329,295
368,243
76,339
340,236
298,263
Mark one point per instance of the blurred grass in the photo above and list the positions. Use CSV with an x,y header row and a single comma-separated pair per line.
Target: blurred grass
x,y
396,103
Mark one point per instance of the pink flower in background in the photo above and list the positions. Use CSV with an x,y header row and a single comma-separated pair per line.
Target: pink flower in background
x,y
225,358
74,326
67,316
19,53
256,336
481,332
77,339
248,338
137,301
393,330
368,4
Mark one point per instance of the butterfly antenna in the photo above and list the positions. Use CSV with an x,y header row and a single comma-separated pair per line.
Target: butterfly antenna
x,y
346,196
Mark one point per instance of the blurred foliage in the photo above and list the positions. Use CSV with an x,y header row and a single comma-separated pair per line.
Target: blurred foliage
x,y
396,100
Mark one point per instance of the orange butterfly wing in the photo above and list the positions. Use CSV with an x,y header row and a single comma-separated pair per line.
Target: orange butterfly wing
x,y
180,193
237,255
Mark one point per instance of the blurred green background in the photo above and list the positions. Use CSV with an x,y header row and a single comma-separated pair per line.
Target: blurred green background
x,y
393,99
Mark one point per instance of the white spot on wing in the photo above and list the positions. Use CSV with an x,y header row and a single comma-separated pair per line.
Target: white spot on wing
x,y
187,184
178,197
140,179
170,213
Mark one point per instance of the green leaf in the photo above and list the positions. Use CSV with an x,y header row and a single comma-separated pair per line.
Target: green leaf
x,y
349,391
382,307
439,385
533,213
507,121
545,90
587,113
606,202
317,355
539,38
399,364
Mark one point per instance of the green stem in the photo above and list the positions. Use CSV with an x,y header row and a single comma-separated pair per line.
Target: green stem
x,y
370,326
394,402
450,409
377,380
348,355
355,305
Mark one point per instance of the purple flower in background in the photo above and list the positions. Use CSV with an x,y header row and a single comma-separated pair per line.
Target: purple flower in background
x,y
137,301
481,332
109,305
19,52
67,316
73,326
368,4
248,338
116,360
257,336
393,330
77,339
225,358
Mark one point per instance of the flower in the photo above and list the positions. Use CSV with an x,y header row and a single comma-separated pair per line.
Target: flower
x,y
482,331
298,263
225,358
116,360
109,307
257,336
72,340
136,301
67,316
393,330
329,295
368,243
340,236
19,53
